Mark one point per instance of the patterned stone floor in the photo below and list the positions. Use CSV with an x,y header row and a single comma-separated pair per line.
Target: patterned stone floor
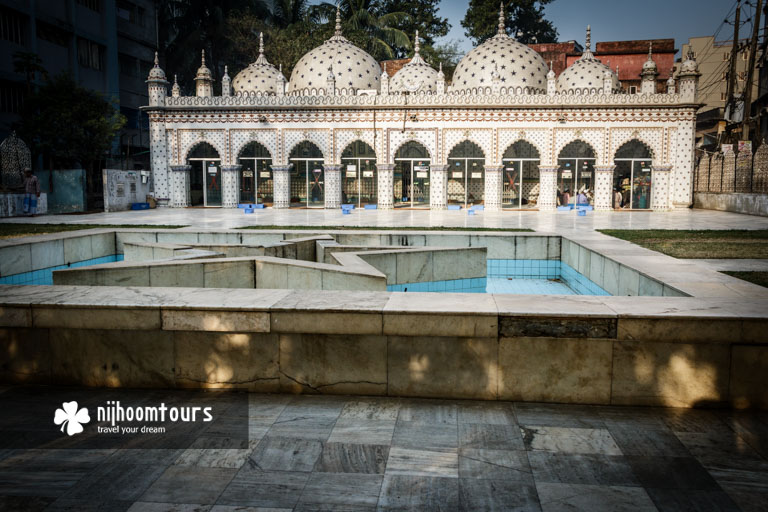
x,y
323,453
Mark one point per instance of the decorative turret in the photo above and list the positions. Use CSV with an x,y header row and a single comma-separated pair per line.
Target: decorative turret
x,y
671,82
157,85
204,80
226,89
495,81
551,81
649,73
384,81
608,81
688,77
587,75
281,83
330,83
175,90
440,80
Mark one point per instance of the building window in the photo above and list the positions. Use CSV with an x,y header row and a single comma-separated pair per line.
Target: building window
x,y
11,97
726,55
742,76
723,96
90,54
132,13
744,54
94,5
724,75
12,26
53,34
632,89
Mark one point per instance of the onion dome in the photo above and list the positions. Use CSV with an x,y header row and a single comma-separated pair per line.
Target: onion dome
x,y
156,73
417,76
353,67
689,65
260,77
587,73
649,66
203,73
518,65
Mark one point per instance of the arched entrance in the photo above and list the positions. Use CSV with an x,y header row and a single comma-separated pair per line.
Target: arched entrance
x,y
412,176
632,177
521,176
358,167
307,177
205,176
576,171
256,184
466,174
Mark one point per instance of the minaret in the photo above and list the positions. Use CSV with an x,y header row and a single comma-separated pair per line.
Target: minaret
x,y
495,81
671,82
649,73
281,83
330,83
384,89
551,81
157,85
440,80
226,88
204,80
175,90
688,77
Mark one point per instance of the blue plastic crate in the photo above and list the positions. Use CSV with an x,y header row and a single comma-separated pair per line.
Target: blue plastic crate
x,y
454,207
348,206
582,213
258,206
346,211
248,210
370,207
139,206
479,207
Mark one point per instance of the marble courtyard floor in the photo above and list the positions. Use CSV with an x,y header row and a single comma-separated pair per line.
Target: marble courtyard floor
x,y
358,453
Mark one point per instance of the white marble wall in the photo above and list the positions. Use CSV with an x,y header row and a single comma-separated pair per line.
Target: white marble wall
x,y
230,185
282,179
332,185
180,188
603,200
386,186
660,180
548,188
493,187
438,187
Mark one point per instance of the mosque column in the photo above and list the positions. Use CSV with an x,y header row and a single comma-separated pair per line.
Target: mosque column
x,y
438,187
385,186
229,185
281,175
603,200
332,185
158,159
180,185
660,184
493,187
547,188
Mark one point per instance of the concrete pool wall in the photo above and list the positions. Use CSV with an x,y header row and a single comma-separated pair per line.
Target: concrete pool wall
x,y
710,349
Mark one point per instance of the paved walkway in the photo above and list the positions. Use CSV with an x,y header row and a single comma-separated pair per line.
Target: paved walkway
x,y
218,218
745,265
314,453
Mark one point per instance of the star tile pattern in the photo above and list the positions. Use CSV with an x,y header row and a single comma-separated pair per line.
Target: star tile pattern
x,y
352,67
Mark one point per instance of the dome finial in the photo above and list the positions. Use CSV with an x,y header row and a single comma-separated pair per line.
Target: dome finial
x,y
338,20
416,44
589,38
650,50
203,61
502,28
157,61
261,43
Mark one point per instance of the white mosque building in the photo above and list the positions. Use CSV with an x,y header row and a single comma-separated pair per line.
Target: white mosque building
x,y
507,133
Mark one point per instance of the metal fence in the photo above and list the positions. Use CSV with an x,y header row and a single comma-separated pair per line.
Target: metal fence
x,y
732,172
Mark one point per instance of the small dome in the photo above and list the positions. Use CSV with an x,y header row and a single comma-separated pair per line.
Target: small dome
x,y
518,65
649,66
689,65
156,73
416,76
260,77
203,73
587,73
352,67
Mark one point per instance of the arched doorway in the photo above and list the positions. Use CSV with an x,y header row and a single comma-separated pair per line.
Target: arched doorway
x,y
307,177
466,174
521,176
205,176
358,167
576,171
412,176
632,177
256,184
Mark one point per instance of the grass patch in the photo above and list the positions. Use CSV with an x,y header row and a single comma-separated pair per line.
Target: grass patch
x,y
760,278
8,230
730,244
379,228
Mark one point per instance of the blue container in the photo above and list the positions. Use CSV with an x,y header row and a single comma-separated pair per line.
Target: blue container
x,y
479,207
563,209
258,206
346,211
470,212
248,210
370,207
348,206
139,206
454,207
582,213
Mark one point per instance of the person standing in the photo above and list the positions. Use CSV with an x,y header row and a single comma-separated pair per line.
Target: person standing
x,y
617,199
566,197
31,192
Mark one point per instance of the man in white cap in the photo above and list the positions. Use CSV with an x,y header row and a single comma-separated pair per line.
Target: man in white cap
x,y
31,192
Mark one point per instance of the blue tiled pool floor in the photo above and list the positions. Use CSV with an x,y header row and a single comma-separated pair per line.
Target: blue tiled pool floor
x,y
45,275
523,286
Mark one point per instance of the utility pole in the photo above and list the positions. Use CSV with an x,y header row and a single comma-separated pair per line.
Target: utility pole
x,y
751,71
730,104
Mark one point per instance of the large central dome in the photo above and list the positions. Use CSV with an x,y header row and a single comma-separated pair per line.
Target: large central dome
x,y
517,65
352,67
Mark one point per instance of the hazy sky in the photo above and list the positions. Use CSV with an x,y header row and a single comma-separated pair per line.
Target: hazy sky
x,y
619,20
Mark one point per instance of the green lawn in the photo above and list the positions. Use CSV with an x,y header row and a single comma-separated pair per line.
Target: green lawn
x,y
760,278
8,230
381,228
737,244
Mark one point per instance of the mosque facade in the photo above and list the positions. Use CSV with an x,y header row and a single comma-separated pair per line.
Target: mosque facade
x,y
507,133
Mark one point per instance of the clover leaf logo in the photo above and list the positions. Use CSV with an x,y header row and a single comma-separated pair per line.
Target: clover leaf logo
x,y
71,417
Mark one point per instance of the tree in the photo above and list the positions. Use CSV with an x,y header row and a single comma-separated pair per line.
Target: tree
x,y
422,17
524,20
448,54
28,63
68,123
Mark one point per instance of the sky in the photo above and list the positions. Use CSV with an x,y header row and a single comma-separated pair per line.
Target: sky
x,y
619,20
